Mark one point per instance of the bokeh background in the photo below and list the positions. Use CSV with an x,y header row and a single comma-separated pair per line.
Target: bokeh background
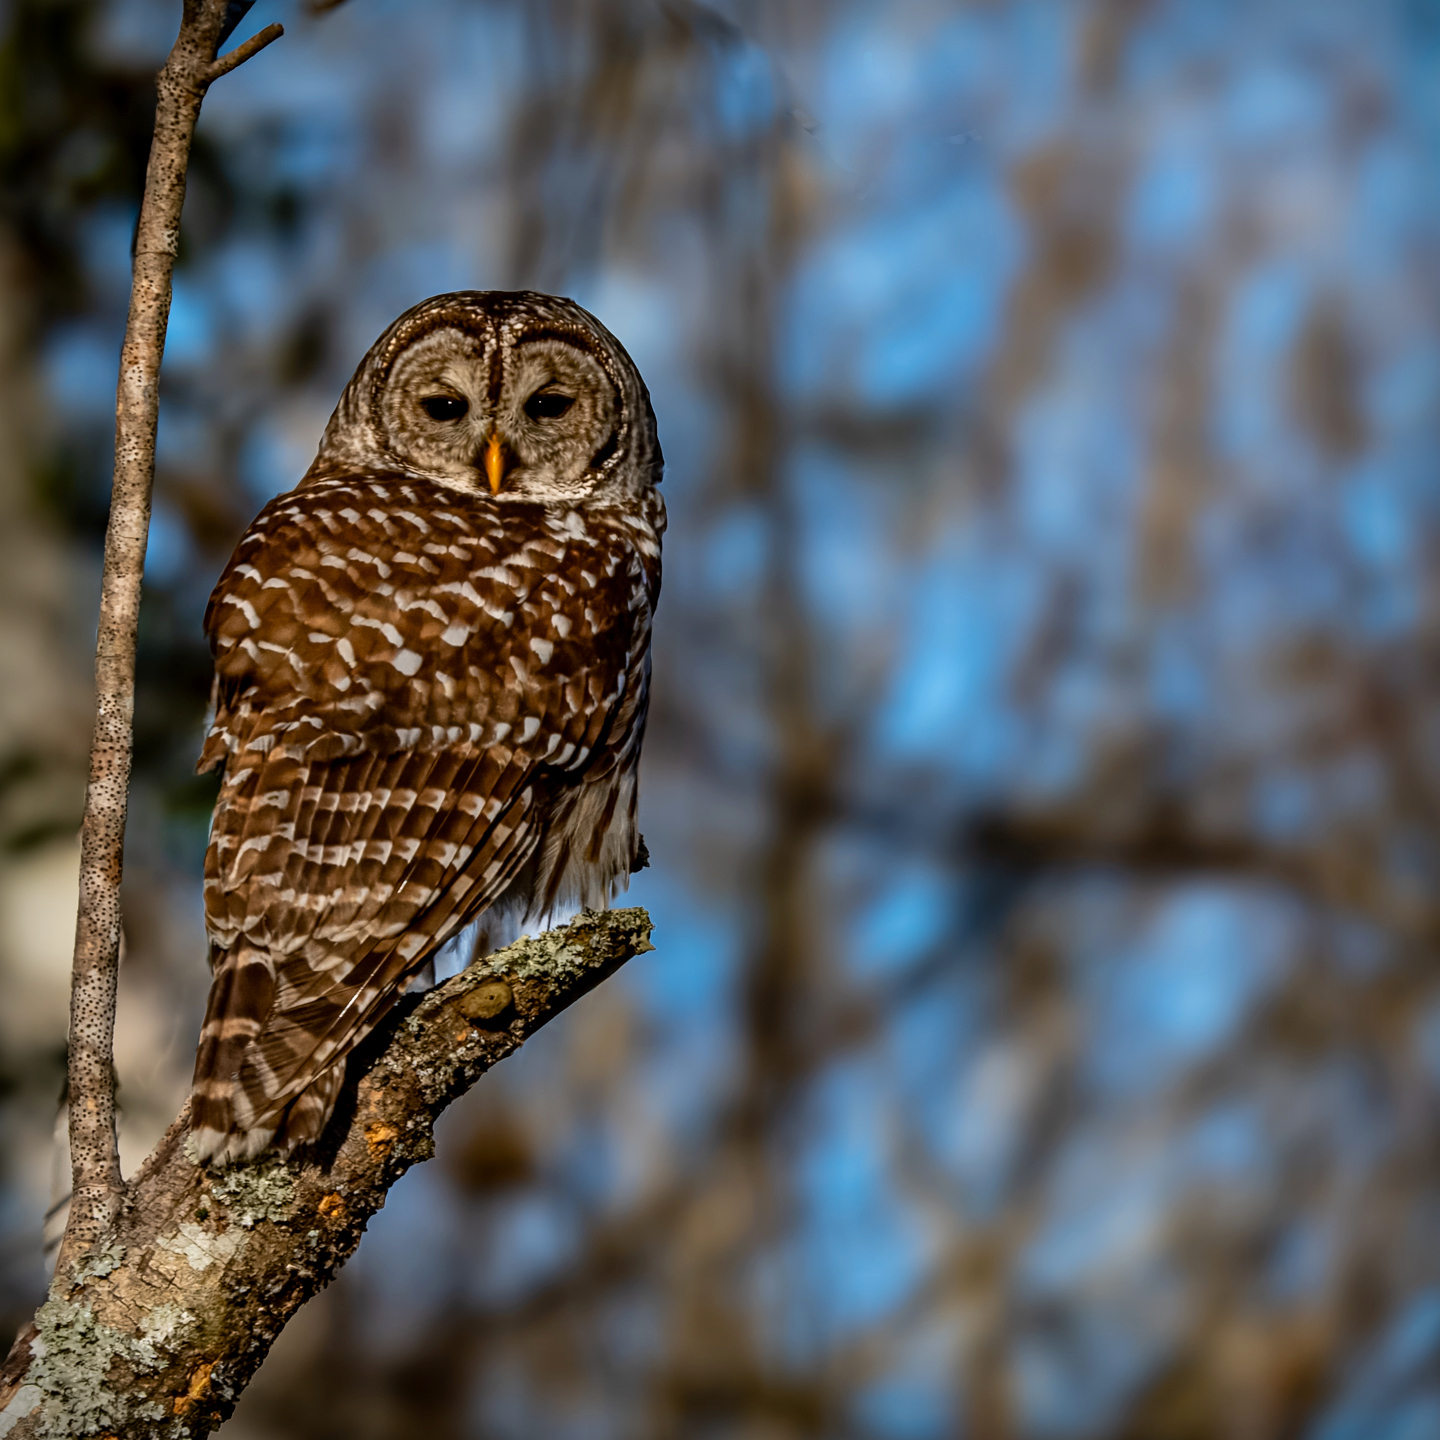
x,y
1043,1038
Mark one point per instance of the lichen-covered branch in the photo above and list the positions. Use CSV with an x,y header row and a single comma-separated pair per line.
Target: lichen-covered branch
x,y
160,1328
180,87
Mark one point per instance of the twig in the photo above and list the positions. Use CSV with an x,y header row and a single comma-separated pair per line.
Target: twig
x,y
163,1327
180,88
243,51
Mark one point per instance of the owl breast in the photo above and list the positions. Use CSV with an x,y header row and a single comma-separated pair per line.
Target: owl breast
x,y
382,614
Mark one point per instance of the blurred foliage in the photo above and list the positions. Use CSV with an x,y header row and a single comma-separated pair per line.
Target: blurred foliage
x,y
74,132
1044,1035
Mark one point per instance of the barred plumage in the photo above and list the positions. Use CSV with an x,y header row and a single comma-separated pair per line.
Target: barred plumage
x,y
432,669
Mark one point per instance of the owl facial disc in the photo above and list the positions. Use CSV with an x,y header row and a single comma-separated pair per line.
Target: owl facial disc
x,y
509,394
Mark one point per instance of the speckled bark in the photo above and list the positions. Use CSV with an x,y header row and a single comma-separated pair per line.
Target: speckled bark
x,y
163,1325
180,87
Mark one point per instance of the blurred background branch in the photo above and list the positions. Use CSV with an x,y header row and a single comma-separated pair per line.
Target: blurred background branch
x,y
1042,772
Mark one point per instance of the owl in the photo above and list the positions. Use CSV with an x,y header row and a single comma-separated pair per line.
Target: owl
x,y
432,668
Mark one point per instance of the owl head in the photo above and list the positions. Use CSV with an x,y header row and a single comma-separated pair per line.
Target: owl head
x,y
513,394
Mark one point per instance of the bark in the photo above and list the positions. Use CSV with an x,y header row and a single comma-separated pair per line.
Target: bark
x,y
160,1328
180,88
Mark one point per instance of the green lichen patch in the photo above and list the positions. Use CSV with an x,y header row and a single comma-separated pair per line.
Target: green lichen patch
x,y
71,1360
564,954
166,1325
100,1262
550,956
261,1190
25,1399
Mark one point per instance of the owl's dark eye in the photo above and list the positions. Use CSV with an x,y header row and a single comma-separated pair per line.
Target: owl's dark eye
x,y
444,407
548,405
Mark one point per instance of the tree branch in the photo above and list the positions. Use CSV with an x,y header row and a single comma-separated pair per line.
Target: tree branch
x,y
163,1326
243,51
180,88
1163,843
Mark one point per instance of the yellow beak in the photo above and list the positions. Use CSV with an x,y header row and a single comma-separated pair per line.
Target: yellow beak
x,y
495,462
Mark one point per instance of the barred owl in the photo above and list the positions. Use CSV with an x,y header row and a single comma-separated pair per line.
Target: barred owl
x,y
432,663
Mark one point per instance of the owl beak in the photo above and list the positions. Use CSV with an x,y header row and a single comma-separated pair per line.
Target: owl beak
x,y
497,461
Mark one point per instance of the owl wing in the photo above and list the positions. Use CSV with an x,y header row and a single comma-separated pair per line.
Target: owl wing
x,y
403,685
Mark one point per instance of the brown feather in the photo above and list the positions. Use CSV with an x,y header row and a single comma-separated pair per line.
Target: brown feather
x,y
415,688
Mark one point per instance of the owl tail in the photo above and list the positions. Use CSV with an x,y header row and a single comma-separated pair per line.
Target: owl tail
x,y
260,1079
242,993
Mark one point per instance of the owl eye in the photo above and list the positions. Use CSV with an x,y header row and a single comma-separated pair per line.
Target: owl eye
x,y
548,405
444,407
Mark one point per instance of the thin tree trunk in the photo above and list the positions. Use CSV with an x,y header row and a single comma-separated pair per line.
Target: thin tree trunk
x,y
180,87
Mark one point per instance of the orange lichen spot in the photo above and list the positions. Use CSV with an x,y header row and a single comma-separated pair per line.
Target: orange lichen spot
x,y
199,1387
332,1207
380,1137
